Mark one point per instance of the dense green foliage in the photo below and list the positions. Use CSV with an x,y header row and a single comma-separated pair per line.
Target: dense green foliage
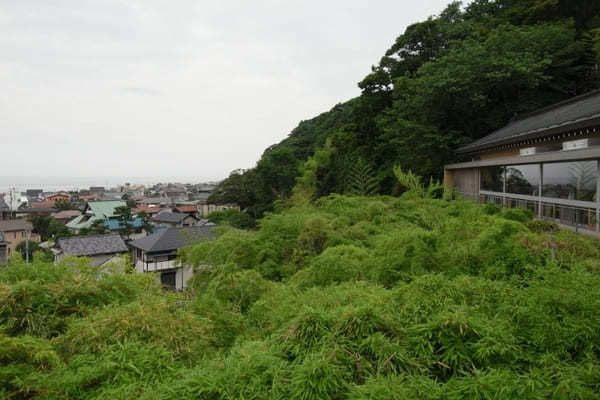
x,y
49,228
232,217
444,82
348,298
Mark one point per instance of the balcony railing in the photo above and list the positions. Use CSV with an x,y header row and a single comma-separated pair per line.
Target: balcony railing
x,y
577,214
152,266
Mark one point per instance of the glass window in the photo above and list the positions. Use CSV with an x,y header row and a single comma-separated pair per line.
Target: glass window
x,y
523,179
570,180
492,179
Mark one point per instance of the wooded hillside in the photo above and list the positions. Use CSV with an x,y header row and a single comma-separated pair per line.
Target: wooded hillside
x,y
444,82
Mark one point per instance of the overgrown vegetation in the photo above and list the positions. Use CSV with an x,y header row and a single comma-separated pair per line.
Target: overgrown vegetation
x,y
347,298
344,294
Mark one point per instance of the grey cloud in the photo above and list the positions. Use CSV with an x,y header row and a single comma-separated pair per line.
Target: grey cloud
x,y
186,87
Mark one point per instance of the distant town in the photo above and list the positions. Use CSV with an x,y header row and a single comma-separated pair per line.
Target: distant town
x,y
104,223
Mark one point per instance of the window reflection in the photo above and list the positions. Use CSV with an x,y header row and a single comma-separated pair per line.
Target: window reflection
x,y
523,179
492,178
570,180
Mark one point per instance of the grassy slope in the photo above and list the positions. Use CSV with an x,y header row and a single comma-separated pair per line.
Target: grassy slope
x,y
352,298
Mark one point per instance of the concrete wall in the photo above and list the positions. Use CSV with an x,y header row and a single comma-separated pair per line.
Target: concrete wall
x,y
16,237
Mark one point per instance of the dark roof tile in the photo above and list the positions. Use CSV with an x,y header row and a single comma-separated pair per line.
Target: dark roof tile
x,y
580,111
92,245
174,238
169,217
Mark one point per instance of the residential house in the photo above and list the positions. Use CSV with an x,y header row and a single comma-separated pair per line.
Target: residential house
x,y
35,211
74,195
42,204
155,202
158,253
547,161
203,192
177,195
111,195
97,190
57,197
16,231
187,209
171,220
34,194
206,209
95,211
65,216
99,248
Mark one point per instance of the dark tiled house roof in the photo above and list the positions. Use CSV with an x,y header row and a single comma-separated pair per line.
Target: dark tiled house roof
x,y
170,217
173,238
92,245
580,112
13,225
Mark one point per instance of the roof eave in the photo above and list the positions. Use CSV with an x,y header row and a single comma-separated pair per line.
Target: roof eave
x,y
591,125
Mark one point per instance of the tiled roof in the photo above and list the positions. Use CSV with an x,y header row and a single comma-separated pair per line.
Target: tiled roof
x,y
99,210
83,221
13,225
577,113
92,245
105,208
173,238
66,214
42,204
170,217
186,209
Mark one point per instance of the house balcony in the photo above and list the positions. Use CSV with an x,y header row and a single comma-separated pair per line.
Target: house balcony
x,y
156,266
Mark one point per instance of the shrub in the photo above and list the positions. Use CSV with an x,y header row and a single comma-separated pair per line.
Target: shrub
x,y
491,209
517,214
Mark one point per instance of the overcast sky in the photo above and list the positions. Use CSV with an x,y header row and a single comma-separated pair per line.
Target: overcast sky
x,y
177,87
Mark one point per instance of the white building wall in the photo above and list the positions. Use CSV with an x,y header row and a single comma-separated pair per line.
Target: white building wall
x,y
182,273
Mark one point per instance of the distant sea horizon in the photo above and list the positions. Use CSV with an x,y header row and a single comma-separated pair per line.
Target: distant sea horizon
x,y
54,184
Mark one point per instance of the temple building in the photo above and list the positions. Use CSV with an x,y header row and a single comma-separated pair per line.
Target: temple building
x,y
546,161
